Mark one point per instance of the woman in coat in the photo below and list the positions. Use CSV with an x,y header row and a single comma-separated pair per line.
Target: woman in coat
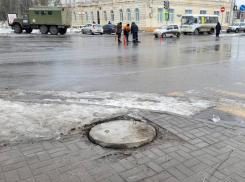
x,y
218,29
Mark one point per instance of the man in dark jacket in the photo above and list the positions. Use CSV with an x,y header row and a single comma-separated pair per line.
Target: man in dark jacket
x,y
119,31
218,28
134,31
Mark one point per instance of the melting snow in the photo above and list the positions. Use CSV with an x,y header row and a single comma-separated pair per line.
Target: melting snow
x,y
58,112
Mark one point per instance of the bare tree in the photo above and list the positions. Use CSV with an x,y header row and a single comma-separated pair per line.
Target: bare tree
x,y
18,6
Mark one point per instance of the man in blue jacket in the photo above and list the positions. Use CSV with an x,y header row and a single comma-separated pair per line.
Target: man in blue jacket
x,y
134,31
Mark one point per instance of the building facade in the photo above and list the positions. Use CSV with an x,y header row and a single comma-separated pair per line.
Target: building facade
x,y
147,14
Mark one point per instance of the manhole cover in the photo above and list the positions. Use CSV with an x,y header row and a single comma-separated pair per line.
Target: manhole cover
x,y
122,134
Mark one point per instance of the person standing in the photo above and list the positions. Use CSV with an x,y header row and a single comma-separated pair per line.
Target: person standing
x,y
134,31
119,31
218,29
126,30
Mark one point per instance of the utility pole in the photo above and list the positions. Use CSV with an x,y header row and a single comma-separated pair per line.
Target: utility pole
x,y
231,13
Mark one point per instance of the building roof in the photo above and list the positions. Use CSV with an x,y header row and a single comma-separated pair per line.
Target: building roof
x,y
47,8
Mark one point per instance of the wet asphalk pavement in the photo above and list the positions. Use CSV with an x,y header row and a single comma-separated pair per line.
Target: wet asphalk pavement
x,y
190,66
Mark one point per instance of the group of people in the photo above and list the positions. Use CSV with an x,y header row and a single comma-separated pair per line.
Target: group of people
x,y
126,30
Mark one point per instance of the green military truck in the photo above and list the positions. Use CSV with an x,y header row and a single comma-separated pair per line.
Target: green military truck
x,y
47,19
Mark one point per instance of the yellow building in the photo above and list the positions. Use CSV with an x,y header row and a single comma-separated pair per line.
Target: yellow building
x,y
147,14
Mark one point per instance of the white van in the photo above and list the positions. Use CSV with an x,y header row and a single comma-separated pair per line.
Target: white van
x,y
198,24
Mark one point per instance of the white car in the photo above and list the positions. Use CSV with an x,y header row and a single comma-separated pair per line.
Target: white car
x,y
236,27
170,29
92,29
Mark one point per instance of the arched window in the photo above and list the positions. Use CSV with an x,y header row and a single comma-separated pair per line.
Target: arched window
x,y
86,16
120,15
136,14
128,15
92,16
112,15
105,15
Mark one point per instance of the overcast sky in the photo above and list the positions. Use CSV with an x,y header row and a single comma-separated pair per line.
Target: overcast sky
x,y
239,2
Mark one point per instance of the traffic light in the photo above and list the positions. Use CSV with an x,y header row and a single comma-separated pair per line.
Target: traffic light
x,y
166,4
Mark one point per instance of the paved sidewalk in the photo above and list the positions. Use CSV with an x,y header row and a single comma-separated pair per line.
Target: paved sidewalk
x,y
209,151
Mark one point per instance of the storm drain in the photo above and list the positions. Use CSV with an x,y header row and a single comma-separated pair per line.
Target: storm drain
x,y
122,134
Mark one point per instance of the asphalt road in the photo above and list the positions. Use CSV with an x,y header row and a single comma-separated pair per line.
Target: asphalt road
x,y
190,66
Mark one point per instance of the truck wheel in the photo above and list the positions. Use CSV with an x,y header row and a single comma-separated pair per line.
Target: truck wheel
x,y
17,28
62,31
54,30
163,35
237,30
44,29
185,33
29,30
178,34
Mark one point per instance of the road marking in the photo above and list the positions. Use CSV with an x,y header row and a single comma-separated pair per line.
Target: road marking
x,y
231,109
225,92
179,94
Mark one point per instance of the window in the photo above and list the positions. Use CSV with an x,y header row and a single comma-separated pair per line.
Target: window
x,y
203,12
50,12
188,11
112,15
170,27
171,15
120,15
37,12
75,16
227,15
74,1
216,13
160,15
70,1
92,16
176,27
66,1
105,15
128,15
43,12
136,14
86,16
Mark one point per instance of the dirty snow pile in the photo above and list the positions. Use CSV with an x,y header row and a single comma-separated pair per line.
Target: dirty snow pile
x,y
53,113
133,100
24,121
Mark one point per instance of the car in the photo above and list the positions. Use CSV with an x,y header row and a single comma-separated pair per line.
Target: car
x,y
92,29
109,28
170,29
82,29
236,27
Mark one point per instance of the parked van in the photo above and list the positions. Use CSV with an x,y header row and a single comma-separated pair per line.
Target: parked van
x,y
198,24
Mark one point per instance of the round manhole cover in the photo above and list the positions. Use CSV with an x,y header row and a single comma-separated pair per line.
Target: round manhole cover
x,y
122,134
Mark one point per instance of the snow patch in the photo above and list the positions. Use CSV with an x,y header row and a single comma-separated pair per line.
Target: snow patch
x,y
21,121
51,113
